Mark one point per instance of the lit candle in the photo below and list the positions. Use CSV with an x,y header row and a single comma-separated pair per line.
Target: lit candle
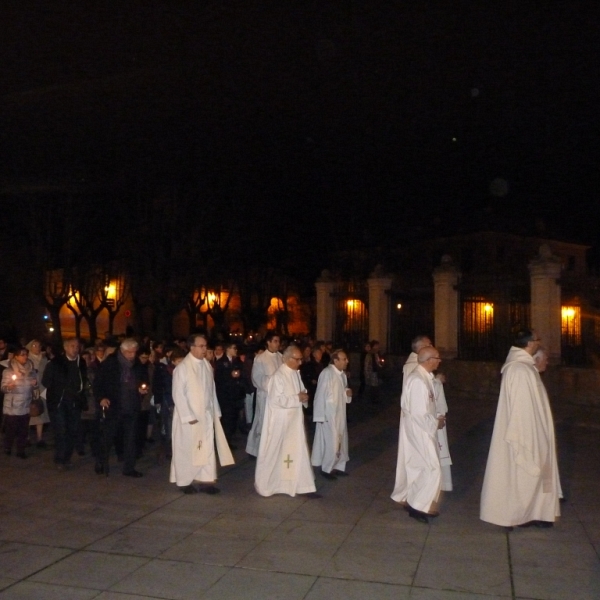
x,y
14,377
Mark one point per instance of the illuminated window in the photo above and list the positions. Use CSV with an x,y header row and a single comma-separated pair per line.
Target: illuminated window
x,y
275,309
355,313
478,316
571,325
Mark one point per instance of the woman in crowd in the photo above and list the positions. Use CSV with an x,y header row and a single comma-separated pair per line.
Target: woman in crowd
x,y
39,360
19,383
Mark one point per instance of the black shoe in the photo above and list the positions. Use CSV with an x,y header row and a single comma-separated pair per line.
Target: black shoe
x,y
133,473
329,476
312,496
41,444
528,524
21,455
99,468
189,489
211,490
8,452
339,473
417,515
538,524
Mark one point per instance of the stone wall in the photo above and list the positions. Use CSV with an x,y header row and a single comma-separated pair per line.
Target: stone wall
x,y
480,381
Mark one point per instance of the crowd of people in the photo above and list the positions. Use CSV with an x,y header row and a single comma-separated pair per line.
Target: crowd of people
x,y
196,399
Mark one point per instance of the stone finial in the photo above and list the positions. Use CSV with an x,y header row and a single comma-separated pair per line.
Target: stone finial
x,y
545,251
378,272
325,275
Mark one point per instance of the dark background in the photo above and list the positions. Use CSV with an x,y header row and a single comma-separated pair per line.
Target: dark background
x,y
304,127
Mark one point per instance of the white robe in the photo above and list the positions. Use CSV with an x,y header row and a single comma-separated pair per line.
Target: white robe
x,y
263,368
418,470
330,446
283,463
441,409
195,399
521,482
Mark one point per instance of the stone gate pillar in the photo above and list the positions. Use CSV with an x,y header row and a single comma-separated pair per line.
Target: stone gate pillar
x,y
544,271
325,306
446,300
379,307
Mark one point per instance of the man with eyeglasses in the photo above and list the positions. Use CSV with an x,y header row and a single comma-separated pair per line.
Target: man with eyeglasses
x,y
521,484
422,341
418,470
196,423
283,464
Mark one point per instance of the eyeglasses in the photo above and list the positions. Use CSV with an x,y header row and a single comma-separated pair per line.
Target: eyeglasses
x,y
434,358
199,345
296,357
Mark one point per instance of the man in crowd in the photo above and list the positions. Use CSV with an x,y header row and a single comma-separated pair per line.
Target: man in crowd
x,y
283,465
196,424
119,386
419,342
330,446
65,380
263,368
521,484
372,370
418,471
230,390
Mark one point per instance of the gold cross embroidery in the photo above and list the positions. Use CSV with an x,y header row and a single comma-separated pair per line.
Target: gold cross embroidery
x,y
288,461
200,445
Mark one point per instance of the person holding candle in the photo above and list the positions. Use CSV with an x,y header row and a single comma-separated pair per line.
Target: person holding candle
x,y
18,384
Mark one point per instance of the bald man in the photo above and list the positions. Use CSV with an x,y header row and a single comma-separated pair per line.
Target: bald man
x,y
418,470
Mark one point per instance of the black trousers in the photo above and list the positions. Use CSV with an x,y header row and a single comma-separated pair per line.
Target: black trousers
x,y
65,420
16,429
124,427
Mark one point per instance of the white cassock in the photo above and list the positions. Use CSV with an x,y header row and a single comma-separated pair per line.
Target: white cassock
x,y
330,446
283,464
441,408
263,368
521,482
418,471
195,399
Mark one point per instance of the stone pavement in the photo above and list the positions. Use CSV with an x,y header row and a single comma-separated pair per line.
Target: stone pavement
x,y
78,536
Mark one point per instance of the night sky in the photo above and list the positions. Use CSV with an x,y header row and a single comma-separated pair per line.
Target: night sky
x,y
321,124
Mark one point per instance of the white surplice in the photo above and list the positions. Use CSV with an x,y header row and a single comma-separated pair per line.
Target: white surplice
x,y
195,399
441,409
263,368
283,463
330,445
521,482
418,470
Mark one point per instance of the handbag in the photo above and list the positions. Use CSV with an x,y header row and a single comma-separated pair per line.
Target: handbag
x,y
36,408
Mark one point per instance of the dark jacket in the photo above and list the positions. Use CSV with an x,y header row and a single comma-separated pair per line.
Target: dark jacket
x,y
107,384
229,388
55,381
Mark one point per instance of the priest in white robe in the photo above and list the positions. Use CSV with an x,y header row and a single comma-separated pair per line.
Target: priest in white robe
x,y
418,470
419,342
263,369
521,484
196,425
283,464
330,445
